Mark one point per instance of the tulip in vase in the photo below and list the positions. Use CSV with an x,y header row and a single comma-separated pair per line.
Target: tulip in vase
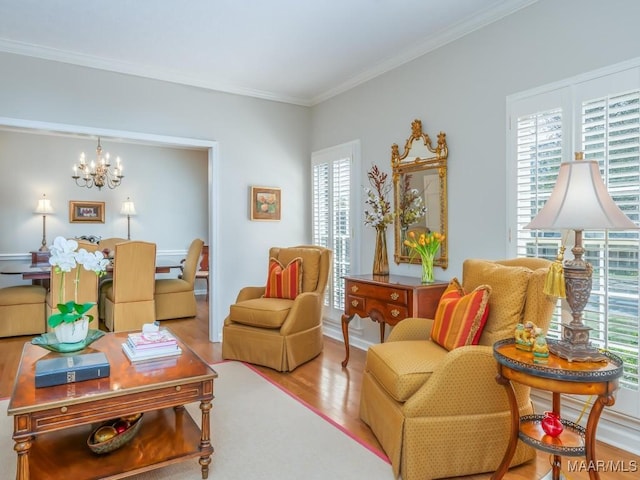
x,y
426,245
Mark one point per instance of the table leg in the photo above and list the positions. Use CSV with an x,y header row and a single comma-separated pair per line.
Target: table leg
x,y
205,439
382,328
22,446
590,433
515,428
345,335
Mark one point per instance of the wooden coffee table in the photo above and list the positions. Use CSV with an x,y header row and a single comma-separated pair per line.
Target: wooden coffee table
x,y
52,425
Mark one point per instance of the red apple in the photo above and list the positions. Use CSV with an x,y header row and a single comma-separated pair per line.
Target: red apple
x,y
551,424
120,426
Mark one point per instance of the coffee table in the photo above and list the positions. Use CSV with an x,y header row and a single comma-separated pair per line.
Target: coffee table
x,y
52,425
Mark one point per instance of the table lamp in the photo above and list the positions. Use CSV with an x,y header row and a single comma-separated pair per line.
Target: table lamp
x,y
44,208
579,201
128,209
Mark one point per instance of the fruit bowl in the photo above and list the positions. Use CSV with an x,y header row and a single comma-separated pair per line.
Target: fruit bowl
x,y
113,434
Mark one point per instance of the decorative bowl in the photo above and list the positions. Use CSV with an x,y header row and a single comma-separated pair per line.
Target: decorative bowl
x,y
132,425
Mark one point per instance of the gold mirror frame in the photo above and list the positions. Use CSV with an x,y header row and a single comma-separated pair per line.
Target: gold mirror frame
x,y
424,162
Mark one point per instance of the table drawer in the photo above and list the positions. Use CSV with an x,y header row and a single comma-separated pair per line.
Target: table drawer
x,y
356,305
395,313
388,294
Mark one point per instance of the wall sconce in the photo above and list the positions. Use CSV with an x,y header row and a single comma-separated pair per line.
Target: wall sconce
x,y
44,208
128,209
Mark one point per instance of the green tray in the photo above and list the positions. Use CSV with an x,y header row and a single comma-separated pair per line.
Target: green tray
x,y
50,342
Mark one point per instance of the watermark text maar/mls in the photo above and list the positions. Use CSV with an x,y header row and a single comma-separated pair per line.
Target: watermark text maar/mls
x,y
603,466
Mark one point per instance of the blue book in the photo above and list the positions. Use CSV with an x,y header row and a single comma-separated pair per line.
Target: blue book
x,y
70,369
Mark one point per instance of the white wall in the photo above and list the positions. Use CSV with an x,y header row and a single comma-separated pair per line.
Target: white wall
x,y
461,89
260,143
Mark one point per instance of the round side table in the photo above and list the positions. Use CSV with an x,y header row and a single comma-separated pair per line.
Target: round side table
x,y
557,376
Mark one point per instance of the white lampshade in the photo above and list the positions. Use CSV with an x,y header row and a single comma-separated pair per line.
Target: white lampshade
x,y
580,201
128,208
44,206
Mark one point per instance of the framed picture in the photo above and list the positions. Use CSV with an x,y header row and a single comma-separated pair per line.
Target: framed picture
x,y
265,203
86,212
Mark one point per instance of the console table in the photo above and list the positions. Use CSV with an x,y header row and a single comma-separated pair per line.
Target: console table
x,y
387,299
557,376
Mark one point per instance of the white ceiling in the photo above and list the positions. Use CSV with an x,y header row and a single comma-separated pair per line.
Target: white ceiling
x,y
295,51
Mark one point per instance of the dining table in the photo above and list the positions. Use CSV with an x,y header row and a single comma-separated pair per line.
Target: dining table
x,y
38,273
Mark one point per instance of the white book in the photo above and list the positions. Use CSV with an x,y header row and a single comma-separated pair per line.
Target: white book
x,y
136,356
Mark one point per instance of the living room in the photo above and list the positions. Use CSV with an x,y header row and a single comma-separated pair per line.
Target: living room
x,y
459,88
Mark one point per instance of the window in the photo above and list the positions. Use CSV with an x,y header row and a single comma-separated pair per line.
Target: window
x,y
600,116
332,205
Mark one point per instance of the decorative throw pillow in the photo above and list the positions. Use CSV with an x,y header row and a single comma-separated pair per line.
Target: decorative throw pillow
x,y
284,282
460,316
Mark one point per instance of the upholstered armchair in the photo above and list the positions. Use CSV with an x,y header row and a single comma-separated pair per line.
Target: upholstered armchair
x,y
22,310
175,297
265,328
440,413
129,299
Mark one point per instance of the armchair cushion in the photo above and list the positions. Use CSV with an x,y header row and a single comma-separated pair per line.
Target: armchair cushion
x,y
460,316
261,312
403,367
284,282
508,292
310,260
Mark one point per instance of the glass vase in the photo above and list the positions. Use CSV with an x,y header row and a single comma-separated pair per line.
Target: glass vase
x,y
381,258
427,269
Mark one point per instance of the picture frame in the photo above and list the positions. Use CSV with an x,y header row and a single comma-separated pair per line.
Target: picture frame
x,y
265,203
86,212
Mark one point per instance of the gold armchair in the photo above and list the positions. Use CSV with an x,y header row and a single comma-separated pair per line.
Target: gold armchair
x,y
175,297
440,413
280,333
22,310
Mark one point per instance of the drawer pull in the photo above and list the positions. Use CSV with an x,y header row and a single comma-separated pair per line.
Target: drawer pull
x,y
354,288
63,410
178,388
395,313
394,296
354,303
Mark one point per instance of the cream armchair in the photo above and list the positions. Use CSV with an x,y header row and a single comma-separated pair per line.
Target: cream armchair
x,y
277,332
440,413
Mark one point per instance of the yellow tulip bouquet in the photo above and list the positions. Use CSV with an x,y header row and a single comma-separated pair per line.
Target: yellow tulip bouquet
x,y
426,245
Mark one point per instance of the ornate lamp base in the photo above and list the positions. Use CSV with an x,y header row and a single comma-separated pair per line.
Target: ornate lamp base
x,y
575,345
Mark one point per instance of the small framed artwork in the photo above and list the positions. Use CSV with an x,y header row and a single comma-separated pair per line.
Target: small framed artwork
x,y
265,203
86,212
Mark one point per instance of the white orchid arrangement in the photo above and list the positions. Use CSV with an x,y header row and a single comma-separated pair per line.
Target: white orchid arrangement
x,y
412,208
64,258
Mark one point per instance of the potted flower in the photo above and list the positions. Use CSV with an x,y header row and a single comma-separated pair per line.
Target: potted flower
x,y
71,323
426,245
378,215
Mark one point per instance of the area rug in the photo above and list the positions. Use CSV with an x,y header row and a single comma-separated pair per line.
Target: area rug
x,y
259,432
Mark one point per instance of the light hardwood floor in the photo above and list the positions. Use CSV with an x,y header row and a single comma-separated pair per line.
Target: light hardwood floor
x,y
334,391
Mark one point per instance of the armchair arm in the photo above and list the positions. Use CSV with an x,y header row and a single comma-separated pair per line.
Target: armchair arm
x,y
306,313
411,329
248,293
464,384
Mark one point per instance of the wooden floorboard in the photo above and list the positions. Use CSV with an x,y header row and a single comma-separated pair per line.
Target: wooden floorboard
x,y
335,392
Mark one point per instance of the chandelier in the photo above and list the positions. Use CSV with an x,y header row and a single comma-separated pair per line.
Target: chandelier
x,y
97,173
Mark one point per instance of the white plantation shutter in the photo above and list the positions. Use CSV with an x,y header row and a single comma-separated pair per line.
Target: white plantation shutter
x,y
332,204
600,116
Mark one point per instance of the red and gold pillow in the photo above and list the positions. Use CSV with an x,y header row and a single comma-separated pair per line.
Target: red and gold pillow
x,y
460,317
284,282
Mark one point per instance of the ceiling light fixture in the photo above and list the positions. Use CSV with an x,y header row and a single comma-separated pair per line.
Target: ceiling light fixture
x,y
98,172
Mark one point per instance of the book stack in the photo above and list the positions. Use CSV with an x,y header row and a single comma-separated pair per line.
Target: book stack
x,y
150,345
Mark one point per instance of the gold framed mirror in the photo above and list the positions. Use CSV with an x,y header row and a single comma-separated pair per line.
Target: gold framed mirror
x,y
420,191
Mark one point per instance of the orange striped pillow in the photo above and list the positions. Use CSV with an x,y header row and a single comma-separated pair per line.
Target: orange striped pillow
x,y
284,282
460,316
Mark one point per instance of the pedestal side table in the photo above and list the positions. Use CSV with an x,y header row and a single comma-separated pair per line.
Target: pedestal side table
x,y
557,376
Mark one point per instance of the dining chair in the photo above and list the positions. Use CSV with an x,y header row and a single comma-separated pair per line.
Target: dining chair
x,y
203,267
22,310
129,302
175,297
107,246
87,286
